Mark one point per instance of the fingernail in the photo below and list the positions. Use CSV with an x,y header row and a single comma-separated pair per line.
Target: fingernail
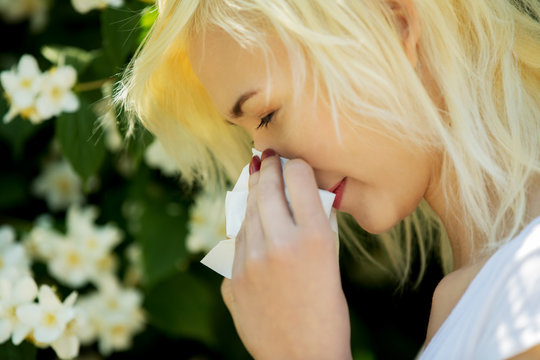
x,y
267,153
254,164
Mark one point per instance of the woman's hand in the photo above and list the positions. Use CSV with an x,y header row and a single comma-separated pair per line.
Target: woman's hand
x,y
285,294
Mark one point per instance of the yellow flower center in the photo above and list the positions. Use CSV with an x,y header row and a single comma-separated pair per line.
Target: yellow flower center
x,y
119,331
92,243
26,83
28,112
105,263
74,259
1,263
49,319
113,304
56,93
198,219
63,185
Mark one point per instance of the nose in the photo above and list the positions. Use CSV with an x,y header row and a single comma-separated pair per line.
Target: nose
x,y
282,150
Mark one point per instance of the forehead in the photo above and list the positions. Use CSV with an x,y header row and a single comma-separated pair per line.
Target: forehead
x,y
226,69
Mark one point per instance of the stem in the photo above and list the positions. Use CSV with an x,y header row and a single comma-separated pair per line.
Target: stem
x,y
91,85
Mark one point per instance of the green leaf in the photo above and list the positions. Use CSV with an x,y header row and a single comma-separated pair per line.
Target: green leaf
x,y
24,351
161,234
182,305
120,31
81,142
14,191
76,57
148,18
16,133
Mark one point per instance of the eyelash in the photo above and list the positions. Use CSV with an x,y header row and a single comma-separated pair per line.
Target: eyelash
x,y
266,120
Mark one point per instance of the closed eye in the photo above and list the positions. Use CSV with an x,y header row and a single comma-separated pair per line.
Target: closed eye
x,y
266,120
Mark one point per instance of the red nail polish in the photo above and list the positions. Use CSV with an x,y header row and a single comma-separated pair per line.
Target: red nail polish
x,y
254,165
267,153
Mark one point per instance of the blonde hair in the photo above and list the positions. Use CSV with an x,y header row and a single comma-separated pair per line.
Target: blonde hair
x,y
483,56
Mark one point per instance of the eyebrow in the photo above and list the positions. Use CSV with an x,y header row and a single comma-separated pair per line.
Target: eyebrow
x,y
236,110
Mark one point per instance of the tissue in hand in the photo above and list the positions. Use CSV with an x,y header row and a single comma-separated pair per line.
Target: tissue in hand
x,y
221,257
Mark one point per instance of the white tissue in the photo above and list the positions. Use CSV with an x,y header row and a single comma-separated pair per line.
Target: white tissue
x,y
221,257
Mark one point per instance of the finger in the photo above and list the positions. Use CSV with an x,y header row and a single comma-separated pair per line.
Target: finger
x,y
253,228
227,293
304,194
239,252
273,208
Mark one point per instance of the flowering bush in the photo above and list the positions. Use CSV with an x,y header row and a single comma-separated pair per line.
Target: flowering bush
x,y
100,241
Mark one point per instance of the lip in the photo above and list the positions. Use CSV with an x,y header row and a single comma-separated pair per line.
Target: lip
x,y
338,190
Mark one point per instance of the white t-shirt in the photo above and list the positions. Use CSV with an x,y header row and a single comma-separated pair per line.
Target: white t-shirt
x,y
498,316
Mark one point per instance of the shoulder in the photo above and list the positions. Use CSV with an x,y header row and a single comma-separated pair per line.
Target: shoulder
x,y
448,293
530,354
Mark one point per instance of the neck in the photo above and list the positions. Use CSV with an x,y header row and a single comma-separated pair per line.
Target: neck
x,y
466,248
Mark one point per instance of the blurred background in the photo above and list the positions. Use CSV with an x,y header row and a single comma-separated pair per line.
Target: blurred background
x,y
100,241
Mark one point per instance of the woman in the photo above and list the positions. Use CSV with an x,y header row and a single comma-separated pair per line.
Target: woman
x,y
387,103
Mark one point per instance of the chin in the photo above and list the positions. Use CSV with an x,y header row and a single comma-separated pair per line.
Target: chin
x,y
375,223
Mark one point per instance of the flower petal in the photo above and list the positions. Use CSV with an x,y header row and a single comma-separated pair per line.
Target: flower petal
x,y
10,115
22,99
19,333
65,315
7,235
65,76
5,330
47,335
70,102
45,107
9,81
70,300
29,314
25,290
66,347
48,299
28,67
115,3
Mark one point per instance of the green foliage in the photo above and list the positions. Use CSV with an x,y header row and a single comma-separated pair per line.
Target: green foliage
x,y
80,140
160,230
25,351
68,55
120,31
16,133
182,305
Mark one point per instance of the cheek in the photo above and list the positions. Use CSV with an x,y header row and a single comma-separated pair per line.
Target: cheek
x,y
388,190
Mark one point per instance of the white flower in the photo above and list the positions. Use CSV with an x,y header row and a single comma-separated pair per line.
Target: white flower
x,y
96,241
42,241
157,157
84,6
22,86
47,321
70,265
14,261
134,272
67,345
59,185
115,315
85,253
55,94
207,223
14,293
35,10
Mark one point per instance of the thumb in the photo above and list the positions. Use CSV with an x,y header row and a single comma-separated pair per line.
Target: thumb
x,y
227,294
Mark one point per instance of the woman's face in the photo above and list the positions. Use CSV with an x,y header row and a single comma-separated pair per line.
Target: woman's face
x,y
384,179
